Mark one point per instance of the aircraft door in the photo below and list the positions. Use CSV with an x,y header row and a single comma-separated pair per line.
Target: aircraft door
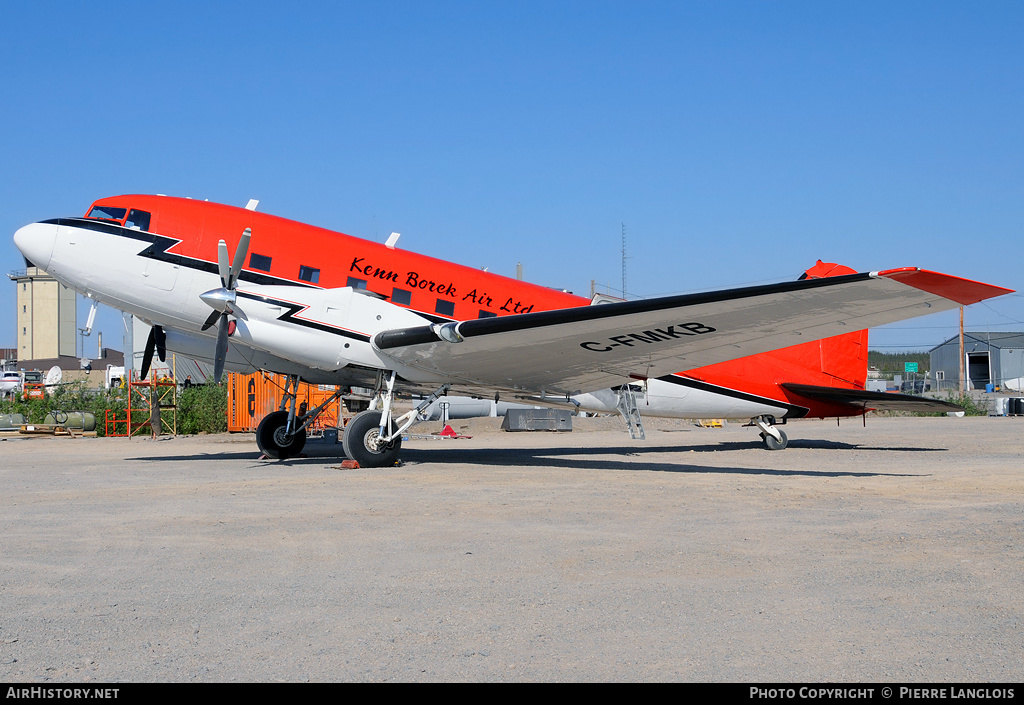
x,y
159,274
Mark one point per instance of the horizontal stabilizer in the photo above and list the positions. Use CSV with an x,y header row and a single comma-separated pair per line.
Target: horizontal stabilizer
x,y
863,399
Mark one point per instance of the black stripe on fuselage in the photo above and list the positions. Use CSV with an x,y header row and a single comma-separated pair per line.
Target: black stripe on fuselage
x,y
160,244
792,410
292,309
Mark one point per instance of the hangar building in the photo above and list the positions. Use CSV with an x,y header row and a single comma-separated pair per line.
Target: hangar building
x,y
991,358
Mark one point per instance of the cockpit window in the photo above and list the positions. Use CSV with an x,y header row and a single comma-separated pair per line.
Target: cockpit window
x,y
137,220
107,213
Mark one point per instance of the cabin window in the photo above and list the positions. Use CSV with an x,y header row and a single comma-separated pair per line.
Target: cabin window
x,y
260,262
107,213
445,308
401,296
356,283
308,274
487,314
137,220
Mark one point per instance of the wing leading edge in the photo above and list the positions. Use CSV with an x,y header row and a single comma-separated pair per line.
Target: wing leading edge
x,y
569,351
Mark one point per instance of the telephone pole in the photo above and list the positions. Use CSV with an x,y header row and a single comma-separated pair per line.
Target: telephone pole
x,y
962,391
624,261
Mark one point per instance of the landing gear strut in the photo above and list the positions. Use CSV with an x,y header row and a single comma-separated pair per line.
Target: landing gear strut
x,y
282,433
373,438
773,438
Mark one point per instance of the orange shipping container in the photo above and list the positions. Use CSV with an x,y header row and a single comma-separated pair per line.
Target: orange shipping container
x,y
251,397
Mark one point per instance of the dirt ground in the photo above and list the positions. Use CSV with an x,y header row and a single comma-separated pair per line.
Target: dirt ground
x,y
886,553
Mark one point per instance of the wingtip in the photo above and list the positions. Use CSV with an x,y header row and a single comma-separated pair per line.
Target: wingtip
x,y
962,291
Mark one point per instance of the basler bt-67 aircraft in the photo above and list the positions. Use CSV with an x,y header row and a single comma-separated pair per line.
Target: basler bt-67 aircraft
x,y
329,308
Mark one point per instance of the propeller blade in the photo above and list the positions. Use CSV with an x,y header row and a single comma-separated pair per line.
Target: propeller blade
x,y
240,252
211,320
222,263
160,338
222,349
147,355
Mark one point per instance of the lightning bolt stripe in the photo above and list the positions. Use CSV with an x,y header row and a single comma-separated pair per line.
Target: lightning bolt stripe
x,y
160,246
291,315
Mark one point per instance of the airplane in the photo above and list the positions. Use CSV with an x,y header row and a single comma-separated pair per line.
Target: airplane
x,y
329,308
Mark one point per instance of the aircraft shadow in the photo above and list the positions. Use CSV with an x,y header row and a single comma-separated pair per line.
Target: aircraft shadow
x,y
635,461
637,458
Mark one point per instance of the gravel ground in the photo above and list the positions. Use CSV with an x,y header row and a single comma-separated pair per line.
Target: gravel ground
x,y
886,553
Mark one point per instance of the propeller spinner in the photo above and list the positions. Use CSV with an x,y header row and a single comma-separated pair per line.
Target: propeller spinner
x,y
222,300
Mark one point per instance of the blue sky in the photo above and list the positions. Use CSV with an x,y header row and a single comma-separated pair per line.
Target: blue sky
x,y
738,141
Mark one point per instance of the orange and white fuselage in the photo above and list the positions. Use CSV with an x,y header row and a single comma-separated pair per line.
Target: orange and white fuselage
x,y
312,303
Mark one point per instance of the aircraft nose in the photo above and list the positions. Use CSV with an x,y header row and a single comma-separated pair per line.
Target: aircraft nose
x,y
36,242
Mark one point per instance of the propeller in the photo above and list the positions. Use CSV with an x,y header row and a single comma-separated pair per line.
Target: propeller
x,y
222,300
157,342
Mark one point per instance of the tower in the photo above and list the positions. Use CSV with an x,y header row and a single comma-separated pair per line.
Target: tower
x,y
46,316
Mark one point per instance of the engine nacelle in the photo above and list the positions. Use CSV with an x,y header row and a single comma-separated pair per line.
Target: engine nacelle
x,y
323,329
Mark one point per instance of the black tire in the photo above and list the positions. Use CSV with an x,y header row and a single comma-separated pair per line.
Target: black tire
x,y
273,441
357,441
771,444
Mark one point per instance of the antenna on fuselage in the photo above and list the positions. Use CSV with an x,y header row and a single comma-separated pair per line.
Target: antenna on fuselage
x,y
392,240
251,205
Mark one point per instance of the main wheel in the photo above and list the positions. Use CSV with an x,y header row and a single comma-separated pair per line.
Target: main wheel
x,y
360,441
771,443
273,440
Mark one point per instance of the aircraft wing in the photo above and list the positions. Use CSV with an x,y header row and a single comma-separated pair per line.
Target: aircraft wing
x,y
570,351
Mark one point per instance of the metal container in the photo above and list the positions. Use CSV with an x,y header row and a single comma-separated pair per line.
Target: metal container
x,y
11,422
537,420
251,397
78,420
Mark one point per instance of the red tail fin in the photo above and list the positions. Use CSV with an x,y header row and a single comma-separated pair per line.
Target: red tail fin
x,y
840,361
843,357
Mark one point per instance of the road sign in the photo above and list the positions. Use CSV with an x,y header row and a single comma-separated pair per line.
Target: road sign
x,y
910,367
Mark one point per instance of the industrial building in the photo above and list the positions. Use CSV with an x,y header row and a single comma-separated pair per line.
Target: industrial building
x,y
989,358
46,316
47,330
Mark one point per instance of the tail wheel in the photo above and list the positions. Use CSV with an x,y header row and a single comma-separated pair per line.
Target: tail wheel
x,y
771,443
274,440
361,441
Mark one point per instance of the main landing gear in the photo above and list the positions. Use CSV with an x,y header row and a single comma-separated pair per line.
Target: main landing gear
x,y
373,438
282,433
274,439
773,438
